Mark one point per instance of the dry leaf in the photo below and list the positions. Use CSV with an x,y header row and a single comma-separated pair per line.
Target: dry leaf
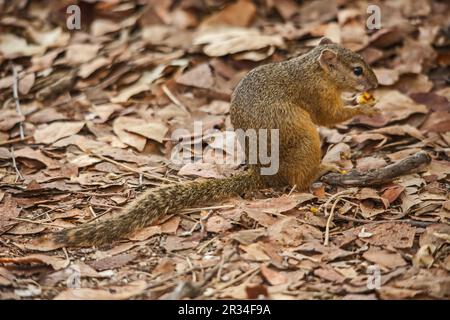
x,y
384,258
116,293
57,130
55,262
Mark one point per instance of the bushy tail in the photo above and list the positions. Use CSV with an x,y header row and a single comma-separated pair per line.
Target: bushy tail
x,y
155,203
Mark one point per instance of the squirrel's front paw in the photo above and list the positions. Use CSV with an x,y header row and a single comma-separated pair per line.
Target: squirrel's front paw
x,y
369,110
325,168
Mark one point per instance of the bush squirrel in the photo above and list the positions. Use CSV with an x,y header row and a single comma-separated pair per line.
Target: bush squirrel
x,y
293,96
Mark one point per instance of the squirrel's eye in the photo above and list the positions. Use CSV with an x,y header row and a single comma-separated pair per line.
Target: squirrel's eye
x,y
357,71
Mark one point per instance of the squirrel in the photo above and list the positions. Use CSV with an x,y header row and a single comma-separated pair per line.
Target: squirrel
x,y
293,96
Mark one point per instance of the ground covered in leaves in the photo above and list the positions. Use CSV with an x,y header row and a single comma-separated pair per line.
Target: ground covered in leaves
x,y
87,122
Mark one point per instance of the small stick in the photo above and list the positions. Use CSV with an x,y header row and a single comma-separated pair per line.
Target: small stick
x,y
150,176
191,210
15,164
16,99
12,141
422,224
99,215
36,222
239,278
172,98
330,218
348,191
380,176
292,190
92,212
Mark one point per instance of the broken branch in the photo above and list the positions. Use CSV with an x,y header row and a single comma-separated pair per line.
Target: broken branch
x,y
379,176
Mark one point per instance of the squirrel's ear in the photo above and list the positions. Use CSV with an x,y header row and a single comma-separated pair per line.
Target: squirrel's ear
x,y
327,59
325,40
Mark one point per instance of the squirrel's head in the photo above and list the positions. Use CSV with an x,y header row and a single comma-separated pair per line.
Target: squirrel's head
x,y
345,68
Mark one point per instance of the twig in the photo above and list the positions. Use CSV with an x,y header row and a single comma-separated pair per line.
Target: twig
x,y
99,215
15,164
422,224
292,190
172,98
16,99
334,196
239,278
101,205
191,210
204,245
167,279
94,215
379,176
330,218
150,176
36,222
12,141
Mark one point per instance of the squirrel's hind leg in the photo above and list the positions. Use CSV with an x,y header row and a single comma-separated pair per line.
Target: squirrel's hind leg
x,y
300,166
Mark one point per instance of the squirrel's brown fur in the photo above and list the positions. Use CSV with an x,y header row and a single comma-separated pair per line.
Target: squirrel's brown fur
x,y
293,96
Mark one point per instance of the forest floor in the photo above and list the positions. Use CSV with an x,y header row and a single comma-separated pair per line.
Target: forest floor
x,y
88,121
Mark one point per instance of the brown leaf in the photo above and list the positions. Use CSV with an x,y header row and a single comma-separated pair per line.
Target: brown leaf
x,y
435,234
57,130
272,276
88,69
413,83
169,227
26,228
256,291
238,14
174,243
46,115
369,163
6,277
386,77
322,252
200,77
384,258
389,293
29,153
286,8
55,262
392,192
247,237
233,40
254,252
112,262
115,293
218,224
4,154
9,118
120,127
26,83
12,47
79,53
9,210
289,232
437,122
398,235
152,130
201,169
329,274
